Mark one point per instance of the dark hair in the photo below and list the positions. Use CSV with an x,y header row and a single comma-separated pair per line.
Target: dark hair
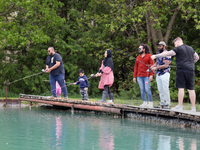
x,y
81,71
51,48
145,47
109,53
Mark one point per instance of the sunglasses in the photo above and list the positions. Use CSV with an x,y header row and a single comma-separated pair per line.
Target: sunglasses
x,y
48,51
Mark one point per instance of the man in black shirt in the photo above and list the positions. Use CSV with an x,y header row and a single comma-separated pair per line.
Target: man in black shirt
x,y
55,67
186,57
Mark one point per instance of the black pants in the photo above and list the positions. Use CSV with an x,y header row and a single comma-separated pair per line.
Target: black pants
x,y
107,89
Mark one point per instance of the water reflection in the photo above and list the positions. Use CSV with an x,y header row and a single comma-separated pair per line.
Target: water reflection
x,y
191,146
164,142
194,144
58,132
145,140
106,139
50,129
107,134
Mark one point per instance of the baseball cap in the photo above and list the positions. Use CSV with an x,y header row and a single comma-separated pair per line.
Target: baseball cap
x,y
161,43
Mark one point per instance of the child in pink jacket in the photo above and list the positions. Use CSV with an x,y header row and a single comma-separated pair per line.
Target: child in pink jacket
x,y
107,77
58,90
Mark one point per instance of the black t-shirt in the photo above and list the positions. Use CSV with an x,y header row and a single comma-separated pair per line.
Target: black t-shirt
x,y
51,61
184,57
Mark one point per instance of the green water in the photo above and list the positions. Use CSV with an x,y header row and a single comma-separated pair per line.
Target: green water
x,y
53,129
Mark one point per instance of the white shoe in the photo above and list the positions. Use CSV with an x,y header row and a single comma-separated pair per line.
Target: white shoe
x,y
150,105
110,101
144,104
193,109
178,108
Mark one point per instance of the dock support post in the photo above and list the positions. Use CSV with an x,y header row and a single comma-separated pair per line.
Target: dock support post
x,y
122,113
72,109
6,96
31,103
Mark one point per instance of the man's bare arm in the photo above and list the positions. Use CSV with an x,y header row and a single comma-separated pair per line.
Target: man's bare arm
x,y
196,57
164,54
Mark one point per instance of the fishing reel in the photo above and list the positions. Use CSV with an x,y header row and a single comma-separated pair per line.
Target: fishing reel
x,y
148,70
43,71
92,75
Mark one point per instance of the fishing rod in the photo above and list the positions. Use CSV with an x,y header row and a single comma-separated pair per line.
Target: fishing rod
x,y
148,70
70,83
8,83
49,81
92,76
130,55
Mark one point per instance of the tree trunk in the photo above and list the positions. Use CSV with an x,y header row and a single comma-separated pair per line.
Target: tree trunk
x,y
171,23
148,33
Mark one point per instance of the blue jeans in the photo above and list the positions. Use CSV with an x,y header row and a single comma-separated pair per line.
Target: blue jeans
x,y
60,78
145,87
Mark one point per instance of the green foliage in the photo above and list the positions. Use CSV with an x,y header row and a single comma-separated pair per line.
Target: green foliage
x,y
81,31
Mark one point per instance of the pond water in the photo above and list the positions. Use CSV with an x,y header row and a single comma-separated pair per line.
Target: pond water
x,y
53,129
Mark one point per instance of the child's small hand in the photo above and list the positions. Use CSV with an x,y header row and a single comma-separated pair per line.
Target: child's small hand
x,y
98,74
74,83
86,89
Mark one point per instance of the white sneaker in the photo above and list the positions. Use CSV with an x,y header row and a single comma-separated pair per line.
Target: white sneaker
x,y
193,109
110,101
144,104
178,107
150,105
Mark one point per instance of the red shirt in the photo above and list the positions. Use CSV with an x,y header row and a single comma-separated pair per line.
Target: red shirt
x,y
141,66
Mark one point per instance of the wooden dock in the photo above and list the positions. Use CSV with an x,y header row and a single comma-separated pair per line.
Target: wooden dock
x,y
119,109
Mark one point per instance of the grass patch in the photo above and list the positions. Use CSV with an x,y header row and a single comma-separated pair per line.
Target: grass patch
x,y
9,94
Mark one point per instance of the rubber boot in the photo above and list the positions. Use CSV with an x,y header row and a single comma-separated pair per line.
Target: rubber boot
x,y
111,100
104,96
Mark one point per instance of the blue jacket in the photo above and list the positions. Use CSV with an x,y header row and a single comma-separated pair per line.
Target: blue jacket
x,y
83,81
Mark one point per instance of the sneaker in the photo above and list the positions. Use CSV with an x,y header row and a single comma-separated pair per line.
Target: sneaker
x,y
178,107
193,109
66,97
159,106
144,104
150,105
166,107
110,101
